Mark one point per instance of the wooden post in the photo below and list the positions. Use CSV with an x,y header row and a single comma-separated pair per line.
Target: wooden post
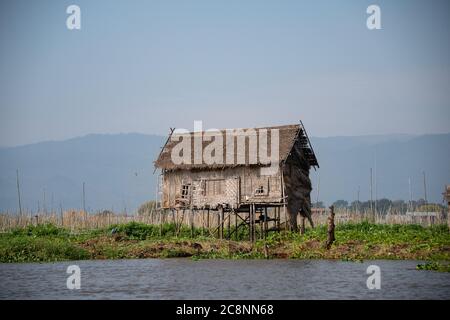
x,y
218,224
330,235
192,216
207,219
265,223
372,211
160,222
18,192
254,223
266,247
222,222
229,225
260,228
236,226
277,218
302,224
283,193
152,216
203,221
62,215
250,231
175,221
84,198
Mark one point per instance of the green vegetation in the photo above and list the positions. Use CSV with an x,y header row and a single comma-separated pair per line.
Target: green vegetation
x,y
38,244
434,266
354,242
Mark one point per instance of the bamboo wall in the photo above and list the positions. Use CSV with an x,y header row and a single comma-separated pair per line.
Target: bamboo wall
x,y
239,185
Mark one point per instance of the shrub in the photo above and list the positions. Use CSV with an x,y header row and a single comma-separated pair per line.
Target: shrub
x,y
27,249
41,230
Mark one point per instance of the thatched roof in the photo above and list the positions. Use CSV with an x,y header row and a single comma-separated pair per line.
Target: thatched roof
x,y
288,134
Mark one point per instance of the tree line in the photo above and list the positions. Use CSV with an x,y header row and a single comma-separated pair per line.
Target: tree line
x,y
385,205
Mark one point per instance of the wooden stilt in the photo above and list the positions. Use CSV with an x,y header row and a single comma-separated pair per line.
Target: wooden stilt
x,y
229,226
160,222
222,222
254,223
283,189
236,226
175,218
192,216
203,221
180,219
250,219
275,223
265,223
261,226
218,225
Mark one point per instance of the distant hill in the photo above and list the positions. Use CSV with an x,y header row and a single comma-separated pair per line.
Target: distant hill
x,y
118,169
345,164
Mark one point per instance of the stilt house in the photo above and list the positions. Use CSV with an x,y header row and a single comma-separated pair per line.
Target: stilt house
x,y
236,181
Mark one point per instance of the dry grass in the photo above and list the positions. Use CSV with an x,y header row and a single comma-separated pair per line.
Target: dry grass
x,y
73,220
79,220
346,215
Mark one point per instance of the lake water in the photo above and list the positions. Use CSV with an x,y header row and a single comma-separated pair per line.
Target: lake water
x,y
221,279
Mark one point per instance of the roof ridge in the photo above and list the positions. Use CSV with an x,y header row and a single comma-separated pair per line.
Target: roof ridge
x,y
287,126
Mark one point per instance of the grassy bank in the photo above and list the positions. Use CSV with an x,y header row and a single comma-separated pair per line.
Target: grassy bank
x,y
354,242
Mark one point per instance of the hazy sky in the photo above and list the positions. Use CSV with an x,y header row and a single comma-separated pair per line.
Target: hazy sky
x,y
145,66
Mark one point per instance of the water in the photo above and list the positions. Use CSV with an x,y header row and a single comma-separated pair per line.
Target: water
x,y
221,279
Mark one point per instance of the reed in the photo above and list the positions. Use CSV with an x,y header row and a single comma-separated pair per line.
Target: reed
x,y
78,220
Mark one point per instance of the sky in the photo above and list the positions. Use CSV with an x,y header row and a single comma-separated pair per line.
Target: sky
x,y
146,66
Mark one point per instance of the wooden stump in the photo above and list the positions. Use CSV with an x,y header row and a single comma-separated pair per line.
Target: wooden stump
x,y
330,236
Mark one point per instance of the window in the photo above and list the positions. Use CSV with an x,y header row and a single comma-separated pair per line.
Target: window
x,y
185,190
203,187
260,191
262,188
215,187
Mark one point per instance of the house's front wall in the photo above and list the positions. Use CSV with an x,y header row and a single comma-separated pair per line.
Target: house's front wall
x,y
230,187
